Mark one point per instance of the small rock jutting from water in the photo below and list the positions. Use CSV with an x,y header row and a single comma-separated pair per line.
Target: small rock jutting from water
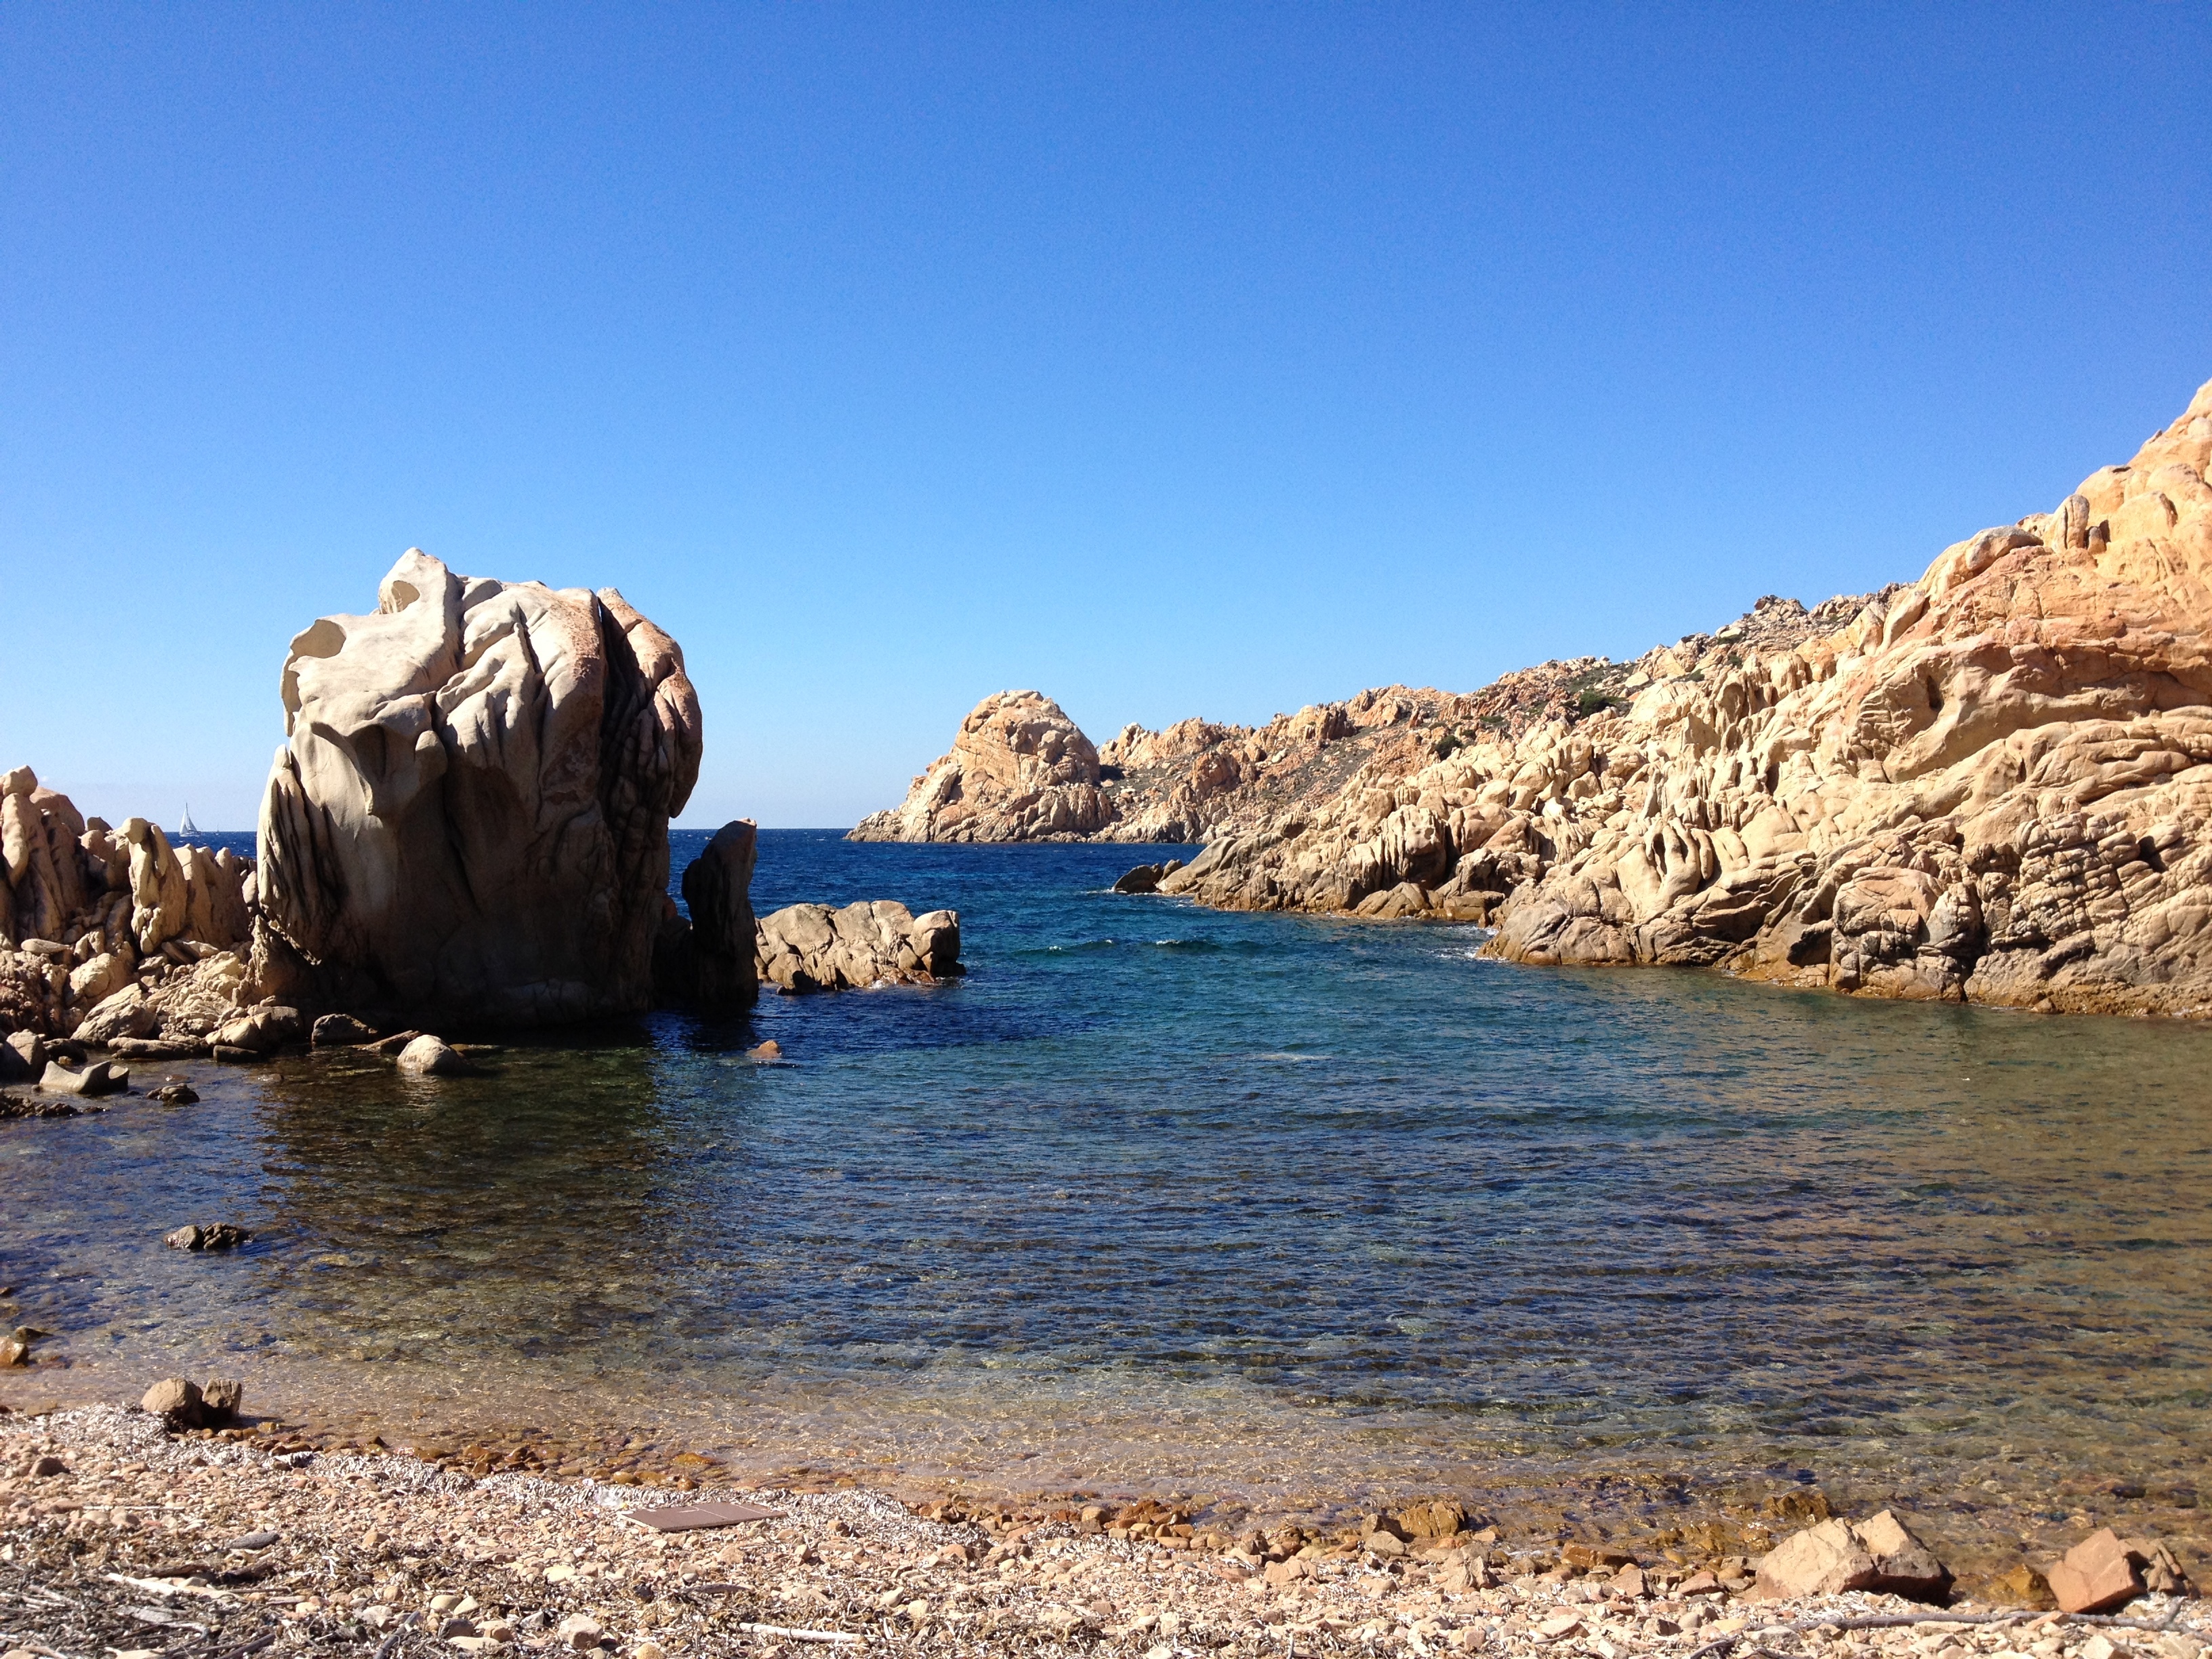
x,y
222,1236
427,1056
812,947
770,1049
340,1030
101,1078
1147,878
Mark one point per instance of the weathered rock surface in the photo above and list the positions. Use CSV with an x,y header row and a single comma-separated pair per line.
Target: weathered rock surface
x,y
1018,770
1994,785
813,947
469,815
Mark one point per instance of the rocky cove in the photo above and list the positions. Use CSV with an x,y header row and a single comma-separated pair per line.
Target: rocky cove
x,y
1989,785
1251,1228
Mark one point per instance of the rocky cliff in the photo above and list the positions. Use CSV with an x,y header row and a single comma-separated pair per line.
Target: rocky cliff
x,y
1993,784
468,821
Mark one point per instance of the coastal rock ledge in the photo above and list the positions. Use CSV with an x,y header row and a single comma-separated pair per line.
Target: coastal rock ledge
x,y
1992,785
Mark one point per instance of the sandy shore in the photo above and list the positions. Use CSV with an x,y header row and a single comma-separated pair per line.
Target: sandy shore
x,y
122,1539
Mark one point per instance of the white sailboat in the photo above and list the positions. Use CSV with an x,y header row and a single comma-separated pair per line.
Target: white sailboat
x,y
184,824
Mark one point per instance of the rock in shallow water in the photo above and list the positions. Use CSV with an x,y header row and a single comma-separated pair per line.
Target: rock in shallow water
x,y
812,947
469,816
426,1056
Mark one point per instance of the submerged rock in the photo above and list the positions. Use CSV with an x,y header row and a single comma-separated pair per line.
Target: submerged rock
x,y
469,816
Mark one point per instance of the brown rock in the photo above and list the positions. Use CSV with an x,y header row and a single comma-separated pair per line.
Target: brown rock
x,y
333,1030
176,1399
1902,1564
812,947
2097,1575
220,1401
1827,1559
2025,1587
1019,769
1439,1519
710,959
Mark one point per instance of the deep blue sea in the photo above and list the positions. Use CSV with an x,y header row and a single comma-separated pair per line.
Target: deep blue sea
x,y
1161,1197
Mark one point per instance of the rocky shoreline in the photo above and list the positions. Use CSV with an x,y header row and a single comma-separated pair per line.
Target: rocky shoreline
x,y
1992,785
130,1535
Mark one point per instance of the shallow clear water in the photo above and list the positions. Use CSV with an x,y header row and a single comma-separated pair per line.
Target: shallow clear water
x,y
1162,1197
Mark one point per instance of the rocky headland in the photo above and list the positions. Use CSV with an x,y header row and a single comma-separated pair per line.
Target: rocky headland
x,y
1993,784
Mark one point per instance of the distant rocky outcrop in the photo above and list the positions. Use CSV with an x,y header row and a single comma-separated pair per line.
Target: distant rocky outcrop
x,y
1018,770
468,820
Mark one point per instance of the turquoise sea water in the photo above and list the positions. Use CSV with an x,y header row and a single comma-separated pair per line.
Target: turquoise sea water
x,y
1162,1197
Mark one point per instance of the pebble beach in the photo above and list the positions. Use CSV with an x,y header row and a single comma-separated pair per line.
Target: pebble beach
x,y
127,1540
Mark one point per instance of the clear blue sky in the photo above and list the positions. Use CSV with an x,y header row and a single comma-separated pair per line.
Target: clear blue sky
x,y
1174,359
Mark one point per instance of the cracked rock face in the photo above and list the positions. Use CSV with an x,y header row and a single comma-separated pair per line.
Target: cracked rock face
x,y
469,816
1992,785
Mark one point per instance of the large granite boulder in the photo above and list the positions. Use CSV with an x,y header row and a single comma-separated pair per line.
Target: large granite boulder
x,y
468,821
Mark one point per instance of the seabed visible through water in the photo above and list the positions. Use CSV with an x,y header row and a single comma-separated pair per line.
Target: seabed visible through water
x,y
1277,1211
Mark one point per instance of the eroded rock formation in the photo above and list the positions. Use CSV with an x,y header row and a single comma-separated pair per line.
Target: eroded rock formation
x,y
102,926
1018,770
1994,784
469,818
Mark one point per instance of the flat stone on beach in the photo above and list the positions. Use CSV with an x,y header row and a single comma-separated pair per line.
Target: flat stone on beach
x,y
697,1516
